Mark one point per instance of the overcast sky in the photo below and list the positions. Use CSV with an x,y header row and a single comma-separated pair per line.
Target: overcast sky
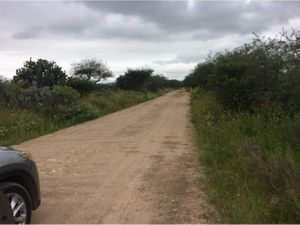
x,y
168,36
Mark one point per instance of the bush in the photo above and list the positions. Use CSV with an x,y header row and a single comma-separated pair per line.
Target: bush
x,y
200,75
14,124
155,83
41,73
3,86
59,103
82,86
173,84
134,79
34,98
63,103
263,72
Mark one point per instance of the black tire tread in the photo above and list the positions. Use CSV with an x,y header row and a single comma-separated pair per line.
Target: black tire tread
x,y
6,186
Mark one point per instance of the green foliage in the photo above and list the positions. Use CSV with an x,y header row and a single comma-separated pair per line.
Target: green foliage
x,y
63,104
58,103
41,73
247,119
252,161
144,80
82,86
8,93
91,70
173,84
265,71
134,79
34,98
155,83
14,124
3,86
200,75
40,99
113,100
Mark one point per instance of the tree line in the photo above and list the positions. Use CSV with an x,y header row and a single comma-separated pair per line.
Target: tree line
x,y
44,87
264,72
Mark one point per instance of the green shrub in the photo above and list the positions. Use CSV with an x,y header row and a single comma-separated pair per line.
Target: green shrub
x,y
65,104
14,124
58,103
82,86
262,72
40,73
134,79
34,98
155,83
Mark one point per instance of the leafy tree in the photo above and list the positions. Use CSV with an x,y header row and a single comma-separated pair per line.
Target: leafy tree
x,y
134,79
41,73
154,83
173,83
91,70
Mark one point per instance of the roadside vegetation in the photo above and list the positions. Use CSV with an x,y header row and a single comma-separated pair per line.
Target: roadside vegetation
x,y
41,98
245,108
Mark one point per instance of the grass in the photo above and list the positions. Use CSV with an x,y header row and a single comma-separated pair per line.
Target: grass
x,y
252,162
19,125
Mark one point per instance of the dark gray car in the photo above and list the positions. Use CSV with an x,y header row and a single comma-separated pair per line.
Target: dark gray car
x,y
19,181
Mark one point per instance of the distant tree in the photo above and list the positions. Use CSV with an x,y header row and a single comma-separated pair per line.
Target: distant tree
x,y
41,73
91,70
154,83
134,79
174,83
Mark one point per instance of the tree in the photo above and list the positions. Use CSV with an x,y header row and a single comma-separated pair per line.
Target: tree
x,y
42,73
134,79
154,83
173,83
91,70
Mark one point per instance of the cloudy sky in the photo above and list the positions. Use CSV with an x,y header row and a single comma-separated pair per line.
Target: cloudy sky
x,y
169,36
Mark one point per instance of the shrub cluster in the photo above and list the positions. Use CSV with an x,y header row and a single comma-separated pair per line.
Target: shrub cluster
x,y
144,79
263,72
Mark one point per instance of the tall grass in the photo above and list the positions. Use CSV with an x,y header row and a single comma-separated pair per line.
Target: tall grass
x,y
252,162
20,125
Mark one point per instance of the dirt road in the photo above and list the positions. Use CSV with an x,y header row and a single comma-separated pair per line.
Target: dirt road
x,y
137,165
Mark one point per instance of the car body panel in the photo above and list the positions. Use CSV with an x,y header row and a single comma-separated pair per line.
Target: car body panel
x,y
13,166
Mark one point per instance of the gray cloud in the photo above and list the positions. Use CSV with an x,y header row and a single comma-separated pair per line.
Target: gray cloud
x,y
170,36
163,20
205,17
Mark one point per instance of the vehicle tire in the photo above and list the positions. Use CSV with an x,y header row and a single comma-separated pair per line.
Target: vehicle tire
x,y
20,201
